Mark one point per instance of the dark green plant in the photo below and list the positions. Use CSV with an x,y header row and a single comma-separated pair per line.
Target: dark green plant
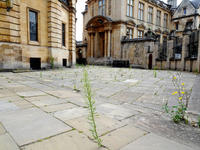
x,y
52,62
199,122
91,107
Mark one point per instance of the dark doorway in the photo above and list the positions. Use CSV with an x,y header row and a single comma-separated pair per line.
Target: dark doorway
x,y
64,62
150,61
102,43
35,63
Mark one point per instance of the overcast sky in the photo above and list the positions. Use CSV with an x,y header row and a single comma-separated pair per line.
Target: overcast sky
x,y
79,24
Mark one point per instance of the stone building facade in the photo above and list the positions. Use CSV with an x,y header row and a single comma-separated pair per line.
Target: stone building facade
x,y
37,34
107,22
147,33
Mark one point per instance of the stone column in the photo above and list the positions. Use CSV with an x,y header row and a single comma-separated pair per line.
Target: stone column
x,y
184,50
92,45
109,48
198,60
105,44
89,46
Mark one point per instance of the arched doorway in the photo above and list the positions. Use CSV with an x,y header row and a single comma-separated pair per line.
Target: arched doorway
x,y
150,61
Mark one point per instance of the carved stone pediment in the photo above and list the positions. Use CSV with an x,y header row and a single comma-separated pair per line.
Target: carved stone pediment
x,y
141,26
98,21
131,23
165,32
158,30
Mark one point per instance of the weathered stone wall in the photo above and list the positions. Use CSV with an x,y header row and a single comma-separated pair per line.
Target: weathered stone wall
x,y
138,52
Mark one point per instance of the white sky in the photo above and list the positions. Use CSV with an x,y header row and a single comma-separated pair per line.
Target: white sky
x,y
80,7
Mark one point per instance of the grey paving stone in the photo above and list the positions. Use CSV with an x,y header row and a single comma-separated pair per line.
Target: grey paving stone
x,y
58,107
122,136
7,106
68,141
64,93
30,93
47,100
104,124
30,125
7,143
71,113
154,142
2,130
115,111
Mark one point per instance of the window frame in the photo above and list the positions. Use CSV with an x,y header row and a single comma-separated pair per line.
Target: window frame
x,y
130,6
165,23
130,32
141,11
158,18
184,10
150,14
139,35
36,24
29,41
64,34
102,7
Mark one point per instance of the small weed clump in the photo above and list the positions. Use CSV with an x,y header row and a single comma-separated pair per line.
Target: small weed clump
x,y
199,122
177,112
91,107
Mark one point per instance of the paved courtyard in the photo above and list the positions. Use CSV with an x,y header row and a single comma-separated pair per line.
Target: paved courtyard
x,y
40,111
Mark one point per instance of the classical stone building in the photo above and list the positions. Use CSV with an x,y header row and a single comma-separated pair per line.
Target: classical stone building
x,y
146,33
37,34
107,22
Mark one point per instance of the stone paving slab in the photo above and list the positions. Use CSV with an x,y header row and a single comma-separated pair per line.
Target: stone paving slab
x,y
68,141
11,98
7,106
154,142
115,111
104,124
71,113
7,143
63,93
121,137
29,125
126,96
58,107
47,100
23,104
2,130
30,93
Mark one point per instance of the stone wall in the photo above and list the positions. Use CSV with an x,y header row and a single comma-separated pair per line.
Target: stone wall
x,y
138,52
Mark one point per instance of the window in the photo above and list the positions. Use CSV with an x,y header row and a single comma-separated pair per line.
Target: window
x,y
130,6
184,11
102,7
150,15
129,33
63,34
176,25
140,34
141,11
33,25
92,11
158,18
165,20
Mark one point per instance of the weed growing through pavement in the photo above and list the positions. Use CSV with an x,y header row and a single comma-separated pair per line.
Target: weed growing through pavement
x,y
177,112
91,107
199,122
